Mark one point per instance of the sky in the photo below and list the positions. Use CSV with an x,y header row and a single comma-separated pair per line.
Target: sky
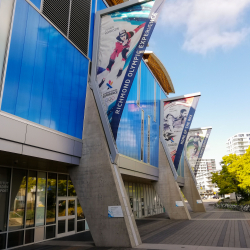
x,y
205,47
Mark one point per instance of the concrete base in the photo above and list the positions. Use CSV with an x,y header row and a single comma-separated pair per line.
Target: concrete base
x,y
168,190
190,191
98,184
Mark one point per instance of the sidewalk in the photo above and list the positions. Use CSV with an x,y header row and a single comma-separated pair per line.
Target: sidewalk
x,y
215,230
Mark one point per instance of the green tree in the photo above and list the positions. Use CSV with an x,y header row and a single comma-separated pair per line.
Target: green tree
x,y
240,167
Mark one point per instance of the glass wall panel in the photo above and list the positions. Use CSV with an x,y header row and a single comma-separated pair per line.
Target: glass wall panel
x,y
29,236
51,199
5,14
40,203
71,188
80,226
62,185
31,199
61,208
50,232
71,225
2,241
61,226
4,196
15,239
18,197
71,207
80,214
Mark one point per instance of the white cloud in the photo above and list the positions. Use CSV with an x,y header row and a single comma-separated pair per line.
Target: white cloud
x,y
208,24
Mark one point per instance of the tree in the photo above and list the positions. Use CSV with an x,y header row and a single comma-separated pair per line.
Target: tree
x,y
240,167
235,175
226,182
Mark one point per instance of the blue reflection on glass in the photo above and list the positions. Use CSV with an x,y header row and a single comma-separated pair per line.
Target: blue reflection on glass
x,y
37,3
129,132
46,75
100,6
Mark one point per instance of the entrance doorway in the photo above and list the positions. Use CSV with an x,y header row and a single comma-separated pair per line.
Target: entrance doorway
x,y
66,216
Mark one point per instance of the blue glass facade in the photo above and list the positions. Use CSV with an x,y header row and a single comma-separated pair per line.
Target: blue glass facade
x,y
46,75
96,6
129,132
37,3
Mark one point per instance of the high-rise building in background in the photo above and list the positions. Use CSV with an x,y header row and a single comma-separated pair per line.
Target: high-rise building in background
x,y
204,175
238,144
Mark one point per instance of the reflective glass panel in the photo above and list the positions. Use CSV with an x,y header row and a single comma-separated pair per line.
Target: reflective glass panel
x,y
40,203
15,239
61,226
31,199
71,189
71,207
2,241
4,196
62,185
80,214
51,199
80,225
50,232
61,208
71,225
17,202
29,236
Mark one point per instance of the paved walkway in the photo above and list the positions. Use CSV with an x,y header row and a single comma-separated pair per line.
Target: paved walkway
x,y
215,230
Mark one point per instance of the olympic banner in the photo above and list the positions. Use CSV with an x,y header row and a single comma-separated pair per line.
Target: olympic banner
x,y
195,146
177,117
124,35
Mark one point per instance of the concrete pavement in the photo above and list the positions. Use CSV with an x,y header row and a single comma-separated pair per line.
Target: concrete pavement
x,y
216,229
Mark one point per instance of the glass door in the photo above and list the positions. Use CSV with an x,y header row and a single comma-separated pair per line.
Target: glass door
x,y
66,219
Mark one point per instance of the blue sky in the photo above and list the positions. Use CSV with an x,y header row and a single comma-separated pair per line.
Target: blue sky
x,y
205,47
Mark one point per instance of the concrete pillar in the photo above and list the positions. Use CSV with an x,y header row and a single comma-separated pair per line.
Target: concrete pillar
x,y
168,189
190,191
99,184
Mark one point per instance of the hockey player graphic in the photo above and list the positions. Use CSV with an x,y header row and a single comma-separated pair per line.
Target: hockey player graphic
x,y
196,143
122,47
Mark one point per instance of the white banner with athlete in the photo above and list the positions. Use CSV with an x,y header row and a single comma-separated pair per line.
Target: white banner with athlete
x,y
177,117
195,146
124,36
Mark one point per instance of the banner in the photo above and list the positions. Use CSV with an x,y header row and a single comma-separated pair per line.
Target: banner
x,y
124,36
178,116
195,146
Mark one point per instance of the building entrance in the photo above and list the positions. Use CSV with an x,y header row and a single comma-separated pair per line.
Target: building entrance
x,y
66,219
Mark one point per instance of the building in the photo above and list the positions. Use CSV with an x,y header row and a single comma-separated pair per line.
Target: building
x,y
238,144
203,177
55,167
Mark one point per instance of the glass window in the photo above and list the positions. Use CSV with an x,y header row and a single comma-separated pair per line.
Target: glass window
x,y
80,226
61,226
15,239
71,225
51,199
17,202
29,236
4,197
31,199
80,214
40,203
2,241
62,185
71,189
61,208
50,232
71,207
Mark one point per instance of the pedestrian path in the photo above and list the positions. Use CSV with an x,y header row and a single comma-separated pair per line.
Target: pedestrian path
x,y
215,228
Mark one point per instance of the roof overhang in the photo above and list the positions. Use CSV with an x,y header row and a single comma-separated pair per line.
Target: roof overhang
x,y
159,71
114,2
